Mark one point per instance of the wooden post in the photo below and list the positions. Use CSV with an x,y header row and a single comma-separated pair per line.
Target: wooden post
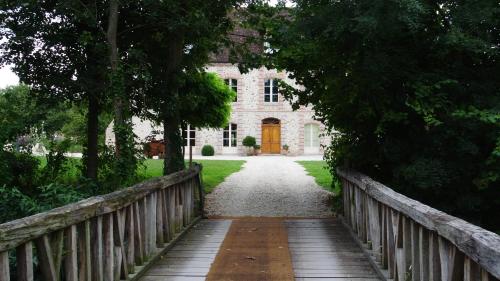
x,y
4,266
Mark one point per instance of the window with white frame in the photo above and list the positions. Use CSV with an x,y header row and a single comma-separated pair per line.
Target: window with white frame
x,y
271,90
189,135
229,136
233,84
311,135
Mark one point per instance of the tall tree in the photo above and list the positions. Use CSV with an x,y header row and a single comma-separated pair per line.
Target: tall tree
x,y
59,49
409,85
174,39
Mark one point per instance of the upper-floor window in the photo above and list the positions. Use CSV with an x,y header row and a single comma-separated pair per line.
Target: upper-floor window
x,y
271,90
189,135
233,84
229,137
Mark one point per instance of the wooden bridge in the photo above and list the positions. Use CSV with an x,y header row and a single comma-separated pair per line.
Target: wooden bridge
x,y
154,231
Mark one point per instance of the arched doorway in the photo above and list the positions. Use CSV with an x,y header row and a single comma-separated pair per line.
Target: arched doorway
x,y
271,136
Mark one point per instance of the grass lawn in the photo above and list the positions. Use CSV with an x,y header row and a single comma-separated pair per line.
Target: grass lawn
x,y
319,170
214,171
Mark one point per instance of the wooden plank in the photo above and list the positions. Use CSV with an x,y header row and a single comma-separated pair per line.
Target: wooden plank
x,y
97,249
108,247
423,245
71,254
24,262
415,251
121,250
4,266
471,270
434,259
17,232
160,238
328,262
180,262
138,250
46,258
478,244
84,252
452,261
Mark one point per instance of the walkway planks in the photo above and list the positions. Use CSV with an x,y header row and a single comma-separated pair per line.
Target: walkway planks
x,y
190,259
253,249
323,250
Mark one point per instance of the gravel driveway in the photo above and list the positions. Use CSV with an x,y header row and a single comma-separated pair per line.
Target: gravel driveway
x,y
269,186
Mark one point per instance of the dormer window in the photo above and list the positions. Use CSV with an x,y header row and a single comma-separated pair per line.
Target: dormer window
x,y
271,90
233,84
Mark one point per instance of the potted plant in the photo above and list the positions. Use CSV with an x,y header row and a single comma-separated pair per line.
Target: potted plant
x,y
284,149
256,149
249,142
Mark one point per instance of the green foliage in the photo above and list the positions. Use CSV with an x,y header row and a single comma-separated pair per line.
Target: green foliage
x,y
18,169
256,147
207,150
18,113
249,141
410,88
208,102
16,204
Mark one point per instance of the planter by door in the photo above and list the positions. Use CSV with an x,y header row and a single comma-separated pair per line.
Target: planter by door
x,y
271,136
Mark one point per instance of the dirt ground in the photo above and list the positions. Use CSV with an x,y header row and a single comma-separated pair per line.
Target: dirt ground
x,y
255,249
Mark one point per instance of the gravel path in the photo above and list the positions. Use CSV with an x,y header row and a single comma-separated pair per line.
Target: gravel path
x,y
269,186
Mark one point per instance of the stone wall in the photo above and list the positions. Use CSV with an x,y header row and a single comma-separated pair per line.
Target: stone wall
x,y
248,113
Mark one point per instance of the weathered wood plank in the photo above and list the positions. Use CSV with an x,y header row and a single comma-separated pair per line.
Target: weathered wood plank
x,y
24,262
15,233
108,247
71,254
4,266
46,258
328,262
478,244
84,252
97,269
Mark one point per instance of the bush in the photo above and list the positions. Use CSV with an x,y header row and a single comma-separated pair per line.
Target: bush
x,y
256,147
207,150
249,141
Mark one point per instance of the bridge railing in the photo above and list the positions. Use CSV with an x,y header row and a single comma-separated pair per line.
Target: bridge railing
x,y
408,240
109,237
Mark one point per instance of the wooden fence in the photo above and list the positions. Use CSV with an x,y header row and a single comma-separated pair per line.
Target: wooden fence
x,y
408,240
103,238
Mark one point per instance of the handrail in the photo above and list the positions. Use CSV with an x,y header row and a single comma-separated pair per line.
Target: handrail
x,y
409,238
103,236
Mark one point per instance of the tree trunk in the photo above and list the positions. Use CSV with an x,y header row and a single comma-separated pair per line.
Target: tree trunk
x,y
115,87
174,161
92,159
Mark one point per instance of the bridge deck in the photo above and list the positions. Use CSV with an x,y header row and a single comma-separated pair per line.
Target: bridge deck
x,y
320,250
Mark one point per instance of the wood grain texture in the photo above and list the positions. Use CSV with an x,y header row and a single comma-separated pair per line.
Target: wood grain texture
x,y
17,232
322,249
191,257
480,245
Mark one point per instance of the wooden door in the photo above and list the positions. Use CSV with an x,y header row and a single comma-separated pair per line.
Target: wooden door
x,y
271,138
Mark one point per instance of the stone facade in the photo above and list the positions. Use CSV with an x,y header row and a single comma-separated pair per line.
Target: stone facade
x,y
248,112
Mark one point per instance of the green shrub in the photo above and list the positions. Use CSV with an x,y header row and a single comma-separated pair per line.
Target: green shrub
x,y
207,150
256,147
249,141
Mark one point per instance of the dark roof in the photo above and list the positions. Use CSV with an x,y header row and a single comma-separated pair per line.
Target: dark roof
x,y
238,36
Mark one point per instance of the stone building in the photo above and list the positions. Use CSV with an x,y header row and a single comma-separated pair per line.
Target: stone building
x,y
259,111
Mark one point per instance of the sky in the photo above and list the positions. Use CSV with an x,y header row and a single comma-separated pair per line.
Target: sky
x,y
9,78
